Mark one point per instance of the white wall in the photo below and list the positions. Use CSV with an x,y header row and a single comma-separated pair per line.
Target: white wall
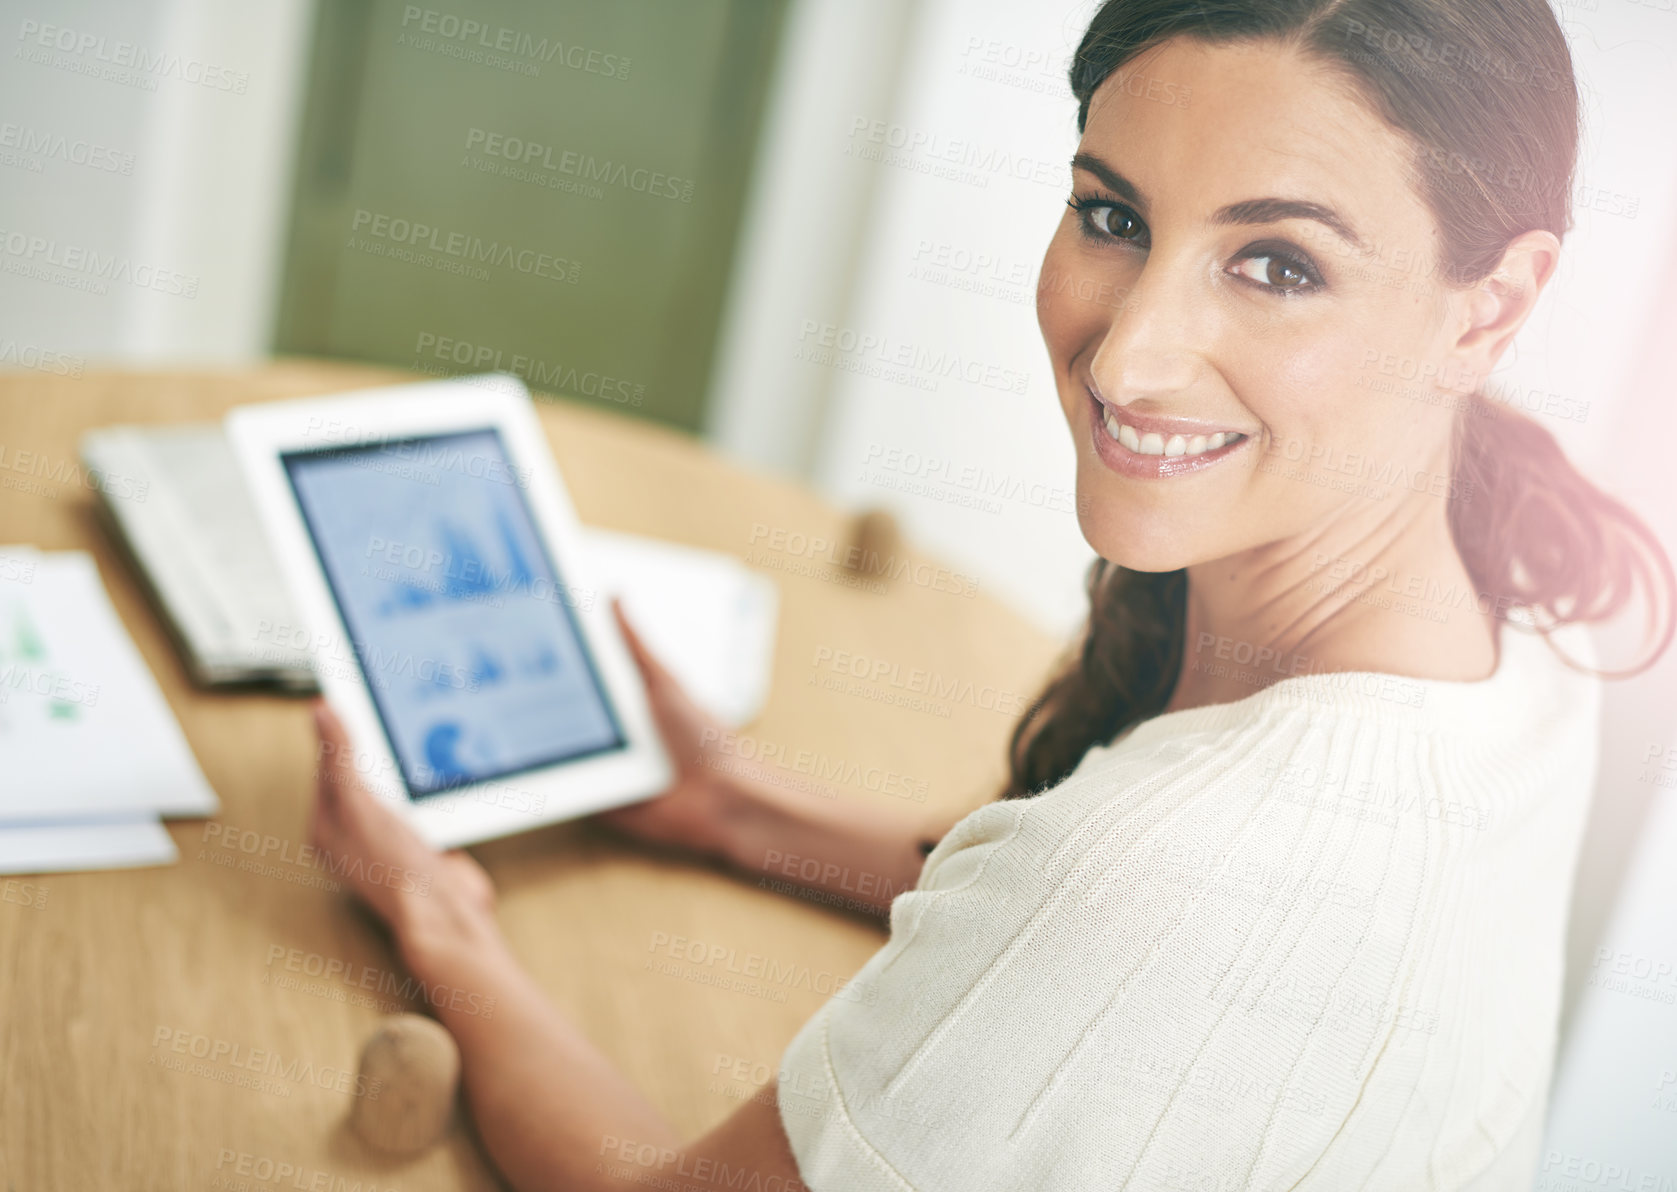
x,y
807,211
145,157
966,443
1615,1095
940,271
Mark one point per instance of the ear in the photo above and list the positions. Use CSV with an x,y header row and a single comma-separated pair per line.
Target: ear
x,y
1493,310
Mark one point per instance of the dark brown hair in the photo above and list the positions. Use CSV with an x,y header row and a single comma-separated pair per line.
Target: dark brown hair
x,y
1484,91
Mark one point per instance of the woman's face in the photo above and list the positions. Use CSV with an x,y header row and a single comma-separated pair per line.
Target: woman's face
x,y
1246,258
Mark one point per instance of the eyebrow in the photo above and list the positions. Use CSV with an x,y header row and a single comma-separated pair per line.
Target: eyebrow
x,y
1247,211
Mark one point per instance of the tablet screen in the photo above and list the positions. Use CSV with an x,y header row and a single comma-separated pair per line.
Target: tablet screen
x,y
459,621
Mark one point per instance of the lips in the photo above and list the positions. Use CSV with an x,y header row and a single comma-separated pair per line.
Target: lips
x,y
1153,443
1150,447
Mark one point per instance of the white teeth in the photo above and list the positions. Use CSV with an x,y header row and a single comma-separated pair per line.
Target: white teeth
x,y
1153,443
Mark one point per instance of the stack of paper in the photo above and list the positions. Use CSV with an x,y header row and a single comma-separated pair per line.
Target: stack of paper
x,y
92,756
708,618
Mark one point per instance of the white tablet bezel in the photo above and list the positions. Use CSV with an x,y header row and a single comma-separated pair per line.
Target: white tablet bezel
x,y
261,434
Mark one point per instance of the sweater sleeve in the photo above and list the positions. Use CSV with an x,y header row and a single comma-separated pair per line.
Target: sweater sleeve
x,y
1165,949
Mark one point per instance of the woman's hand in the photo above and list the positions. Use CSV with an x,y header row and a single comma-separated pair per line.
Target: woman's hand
x,y
692,812
542,1096
754,825
433,902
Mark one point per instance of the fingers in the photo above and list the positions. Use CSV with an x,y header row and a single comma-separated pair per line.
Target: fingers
x,y
326,722
342,794
650,667
344,797
628,630
362,835
337,762
475,876
672,706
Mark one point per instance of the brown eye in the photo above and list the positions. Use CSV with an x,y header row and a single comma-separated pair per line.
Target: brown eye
x,y
1116,222
1281,274
1105,221
1276,271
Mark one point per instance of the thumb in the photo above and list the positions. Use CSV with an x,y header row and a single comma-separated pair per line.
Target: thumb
x,y
336,756
651,670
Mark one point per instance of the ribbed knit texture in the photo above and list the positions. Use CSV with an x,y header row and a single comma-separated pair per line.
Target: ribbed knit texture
x,y
1311,939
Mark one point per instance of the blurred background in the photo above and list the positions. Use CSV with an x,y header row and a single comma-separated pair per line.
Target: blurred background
x,y
736,218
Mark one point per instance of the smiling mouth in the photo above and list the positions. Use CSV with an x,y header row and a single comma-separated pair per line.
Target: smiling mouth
x,y
1153,448
1154,443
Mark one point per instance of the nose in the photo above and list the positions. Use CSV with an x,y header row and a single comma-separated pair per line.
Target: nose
x,y
1153,347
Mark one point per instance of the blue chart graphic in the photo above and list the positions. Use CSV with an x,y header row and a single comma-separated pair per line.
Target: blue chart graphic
x,y
440,743
467,571
458,570
470,653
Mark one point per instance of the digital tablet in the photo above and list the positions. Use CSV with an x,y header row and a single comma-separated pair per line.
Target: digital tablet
x,y
444,596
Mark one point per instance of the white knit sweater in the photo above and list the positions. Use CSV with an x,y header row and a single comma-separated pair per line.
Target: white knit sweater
x,y
1311,939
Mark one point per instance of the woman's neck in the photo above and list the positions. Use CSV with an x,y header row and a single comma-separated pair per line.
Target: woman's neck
x,y
1379,589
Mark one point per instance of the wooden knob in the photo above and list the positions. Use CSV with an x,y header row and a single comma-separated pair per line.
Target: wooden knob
x,y
416,1066
874,544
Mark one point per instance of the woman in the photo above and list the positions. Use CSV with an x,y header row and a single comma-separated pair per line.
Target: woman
x,y
1276,895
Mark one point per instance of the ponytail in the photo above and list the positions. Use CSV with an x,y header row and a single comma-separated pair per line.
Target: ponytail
x,y
1536,535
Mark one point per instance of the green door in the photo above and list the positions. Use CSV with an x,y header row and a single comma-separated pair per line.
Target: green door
x,y
550,189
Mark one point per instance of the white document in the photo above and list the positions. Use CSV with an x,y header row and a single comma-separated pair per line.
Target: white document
x,y
84,729
86,844
708,618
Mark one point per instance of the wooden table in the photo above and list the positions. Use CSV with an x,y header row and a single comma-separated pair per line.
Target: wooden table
x,y
101,973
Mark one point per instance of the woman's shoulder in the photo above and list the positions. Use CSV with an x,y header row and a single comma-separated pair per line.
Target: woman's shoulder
x,y
1183,850
1232,902
1276,791
1070,962
1159,805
